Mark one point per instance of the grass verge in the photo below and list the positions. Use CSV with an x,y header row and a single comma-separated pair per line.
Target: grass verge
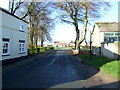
x,y
61,48
102,63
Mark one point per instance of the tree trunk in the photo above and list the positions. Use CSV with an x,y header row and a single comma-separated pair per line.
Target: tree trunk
x,y
84,34
42,43
36,43
77,36
32,43
86,43
85,31
84,27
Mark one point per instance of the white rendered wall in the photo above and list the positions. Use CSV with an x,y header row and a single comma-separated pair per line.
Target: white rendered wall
x,y
0,35
10,29
96,36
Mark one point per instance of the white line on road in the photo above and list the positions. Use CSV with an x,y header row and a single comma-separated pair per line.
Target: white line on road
x,y
51,62
78,59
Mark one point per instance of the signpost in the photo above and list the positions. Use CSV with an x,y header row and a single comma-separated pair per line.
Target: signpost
x,y
111,36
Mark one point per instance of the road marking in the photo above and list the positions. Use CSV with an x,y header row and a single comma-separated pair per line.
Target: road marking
x,y
51,62
73,73
78,59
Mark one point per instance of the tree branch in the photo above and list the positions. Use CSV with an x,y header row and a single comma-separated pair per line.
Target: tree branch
x,y
67,21
17,6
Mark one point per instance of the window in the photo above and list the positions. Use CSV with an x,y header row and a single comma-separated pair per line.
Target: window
x,y
21,46
21,26
5,46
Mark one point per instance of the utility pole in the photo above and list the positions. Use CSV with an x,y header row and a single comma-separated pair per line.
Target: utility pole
x,y
90,46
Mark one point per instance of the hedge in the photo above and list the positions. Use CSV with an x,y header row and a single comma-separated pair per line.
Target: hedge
x,y
38,50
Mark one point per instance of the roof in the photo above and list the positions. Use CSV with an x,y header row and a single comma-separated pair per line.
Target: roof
x,y
6,11
56,41
108,26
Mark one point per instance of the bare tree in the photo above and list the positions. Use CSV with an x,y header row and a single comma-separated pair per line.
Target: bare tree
x,y
38,16
91,11
45,28
14,5
70,15
80,12
39,22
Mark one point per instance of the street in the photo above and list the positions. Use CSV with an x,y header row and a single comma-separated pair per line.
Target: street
x,y
53,69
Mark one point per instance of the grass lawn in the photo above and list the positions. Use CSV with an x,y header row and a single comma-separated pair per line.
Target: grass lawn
x,y
60,48
102,63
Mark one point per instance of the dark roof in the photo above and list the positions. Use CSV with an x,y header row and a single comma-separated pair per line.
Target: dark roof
x,y
108,26
72,42
56,41
6,11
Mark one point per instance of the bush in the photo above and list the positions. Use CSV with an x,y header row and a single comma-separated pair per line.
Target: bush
x,y
42,49
49,48
32,51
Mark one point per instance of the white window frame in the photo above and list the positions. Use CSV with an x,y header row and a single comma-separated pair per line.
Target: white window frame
x,y
21,26
7,48
21,48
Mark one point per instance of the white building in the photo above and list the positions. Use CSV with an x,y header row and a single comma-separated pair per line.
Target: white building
x,y
13,36
106,39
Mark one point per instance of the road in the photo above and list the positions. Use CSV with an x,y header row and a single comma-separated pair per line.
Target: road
x,y
53,69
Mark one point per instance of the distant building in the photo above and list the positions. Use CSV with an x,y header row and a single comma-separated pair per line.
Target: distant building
x,y
13,36
49,45
72,44
105,39
60,44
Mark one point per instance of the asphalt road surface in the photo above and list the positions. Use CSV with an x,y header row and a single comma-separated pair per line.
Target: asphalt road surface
x,y
55,68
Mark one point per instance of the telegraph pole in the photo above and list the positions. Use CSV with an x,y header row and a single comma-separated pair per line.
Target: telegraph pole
x,y
90,46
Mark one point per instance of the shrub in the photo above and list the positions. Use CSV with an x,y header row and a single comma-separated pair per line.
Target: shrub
x,y
32,51
42,49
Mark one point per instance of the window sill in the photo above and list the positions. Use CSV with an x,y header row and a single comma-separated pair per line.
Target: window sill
x,y
6,55
21,52
22,30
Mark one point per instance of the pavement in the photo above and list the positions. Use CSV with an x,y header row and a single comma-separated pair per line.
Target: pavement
x,y
58,69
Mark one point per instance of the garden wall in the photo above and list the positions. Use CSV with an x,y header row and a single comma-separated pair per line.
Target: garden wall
x,y
109,50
